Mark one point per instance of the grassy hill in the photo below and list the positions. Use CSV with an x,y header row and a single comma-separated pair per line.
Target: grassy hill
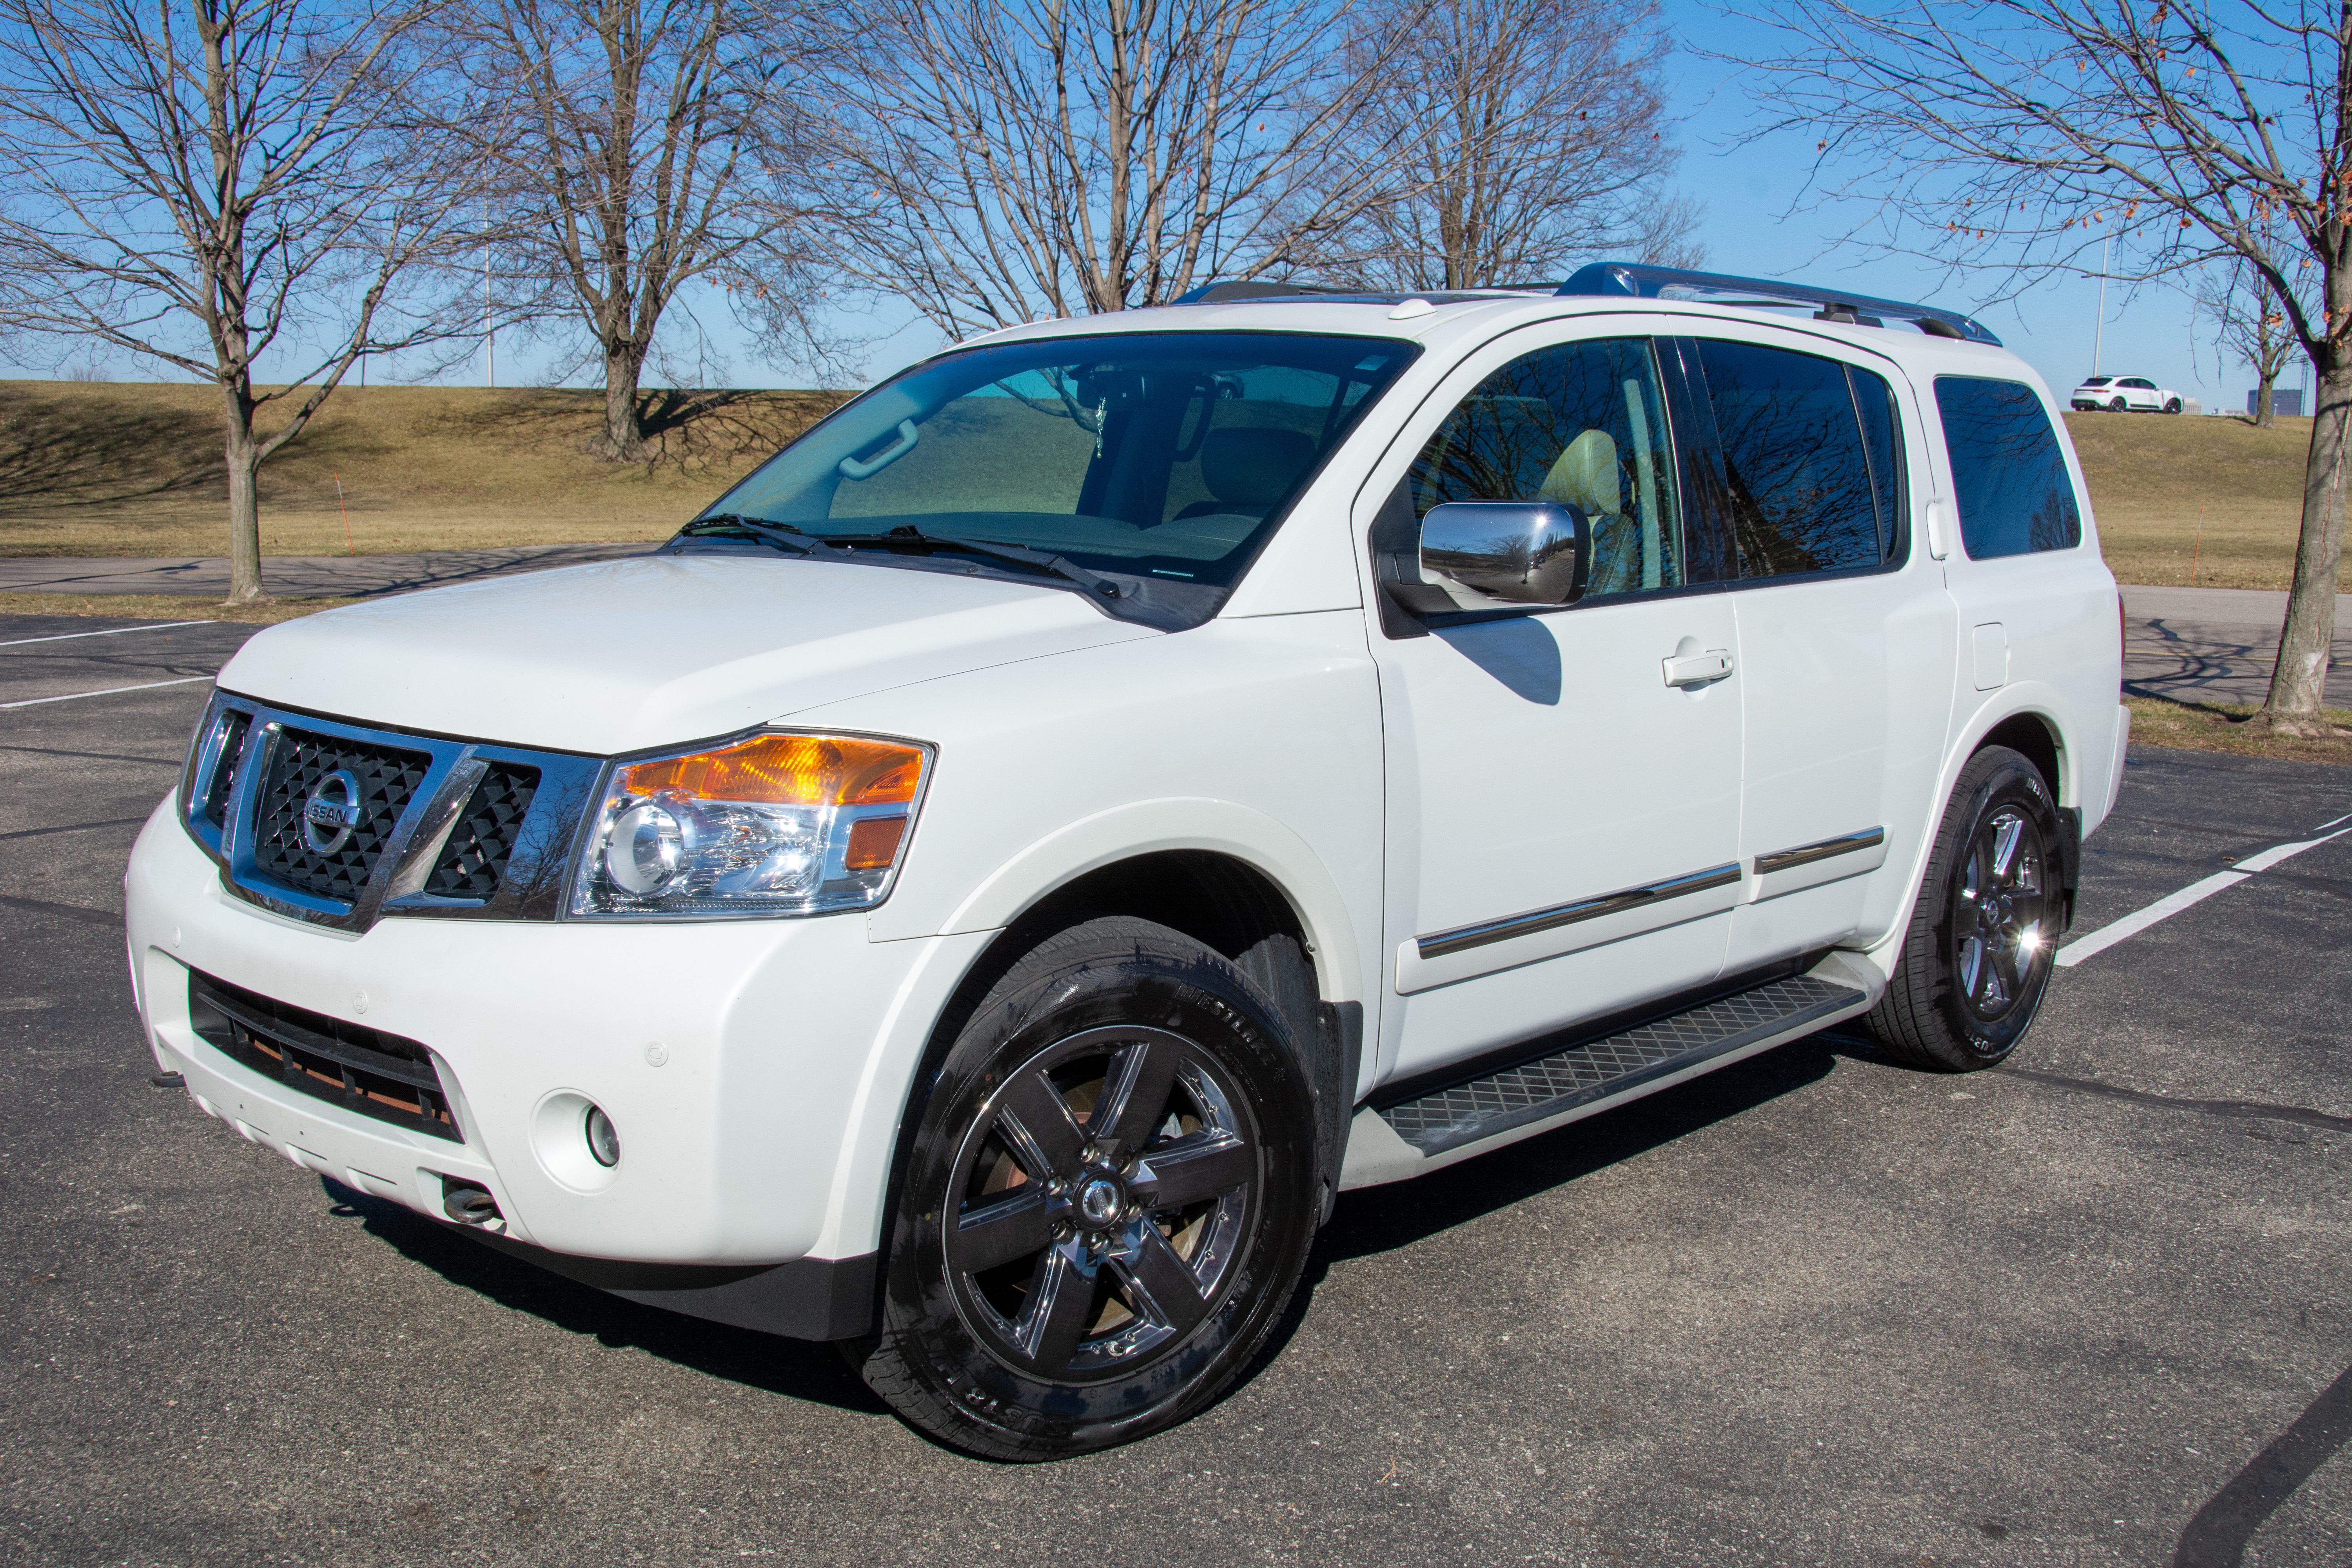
x,y
2158,483
100,469
106,468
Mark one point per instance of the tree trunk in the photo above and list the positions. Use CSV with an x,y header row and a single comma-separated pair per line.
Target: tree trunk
x,y
624,432
2299,680
2265,410
244,461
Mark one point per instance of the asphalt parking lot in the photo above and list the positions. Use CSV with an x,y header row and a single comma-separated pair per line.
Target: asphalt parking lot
x,y
2096,1308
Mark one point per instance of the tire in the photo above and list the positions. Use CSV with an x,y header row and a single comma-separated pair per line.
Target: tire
x,y
2173,406
1108,1198
1976,959
2119,405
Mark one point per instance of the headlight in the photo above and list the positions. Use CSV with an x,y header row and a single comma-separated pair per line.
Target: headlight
x,y
778,825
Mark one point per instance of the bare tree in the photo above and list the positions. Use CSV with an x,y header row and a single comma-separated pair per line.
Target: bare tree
x,y
2018,132
200,183
646,147
1009,159
1531,135
2249,326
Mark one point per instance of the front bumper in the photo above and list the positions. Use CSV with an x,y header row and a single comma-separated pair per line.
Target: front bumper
x,y
756,1071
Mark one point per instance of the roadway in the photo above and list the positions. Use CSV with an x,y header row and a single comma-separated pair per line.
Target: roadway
x,y
1815,1309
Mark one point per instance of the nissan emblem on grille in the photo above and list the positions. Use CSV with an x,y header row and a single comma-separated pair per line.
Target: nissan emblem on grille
x,y
330,812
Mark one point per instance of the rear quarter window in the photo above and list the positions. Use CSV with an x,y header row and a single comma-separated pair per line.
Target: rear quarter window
x,y
2009,477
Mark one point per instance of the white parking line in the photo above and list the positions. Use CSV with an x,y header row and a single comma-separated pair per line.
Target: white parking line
x,y
109,692
110,632
2138,921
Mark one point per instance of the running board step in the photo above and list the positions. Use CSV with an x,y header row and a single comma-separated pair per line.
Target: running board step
x,y
1541,1090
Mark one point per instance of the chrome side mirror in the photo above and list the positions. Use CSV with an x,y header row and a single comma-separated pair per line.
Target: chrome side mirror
x,y
1489,553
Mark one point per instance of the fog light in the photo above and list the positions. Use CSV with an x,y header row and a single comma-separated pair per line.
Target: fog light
x,y
603,1141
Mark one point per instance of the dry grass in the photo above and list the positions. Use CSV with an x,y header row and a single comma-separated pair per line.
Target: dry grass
x,y
162,608
2221,727
106,468
2152,479
102,469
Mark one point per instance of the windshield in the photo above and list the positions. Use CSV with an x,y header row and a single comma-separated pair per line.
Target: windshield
x,y
1160,459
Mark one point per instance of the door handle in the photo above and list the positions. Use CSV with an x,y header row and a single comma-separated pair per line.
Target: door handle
x,y
1697,668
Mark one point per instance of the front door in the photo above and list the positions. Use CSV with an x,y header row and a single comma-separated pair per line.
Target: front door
x,y
1563,821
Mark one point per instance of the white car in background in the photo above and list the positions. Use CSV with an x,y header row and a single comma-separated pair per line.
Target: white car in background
x,y
2121,394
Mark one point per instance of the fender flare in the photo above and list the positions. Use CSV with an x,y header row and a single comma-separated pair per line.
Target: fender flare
x,y
1148,826
2024,699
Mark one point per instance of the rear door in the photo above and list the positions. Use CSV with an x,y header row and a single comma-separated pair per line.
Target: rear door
x,y
1845,642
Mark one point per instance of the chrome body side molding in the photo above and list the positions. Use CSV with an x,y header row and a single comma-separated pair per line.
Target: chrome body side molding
x,y
1806,854
1462,937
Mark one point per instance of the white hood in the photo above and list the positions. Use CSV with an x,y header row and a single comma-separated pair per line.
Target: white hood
x,y
654,650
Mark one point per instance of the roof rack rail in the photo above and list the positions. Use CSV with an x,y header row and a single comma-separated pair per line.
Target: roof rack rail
x,y
1214,294
1637,281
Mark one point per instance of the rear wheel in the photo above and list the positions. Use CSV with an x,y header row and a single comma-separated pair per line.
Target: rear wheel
x,y
2119,404
1110,1196
1976,960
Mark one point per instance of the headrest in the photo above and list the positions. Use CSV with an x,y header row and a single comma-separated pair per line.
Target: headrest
x,y
1252,467
1587,477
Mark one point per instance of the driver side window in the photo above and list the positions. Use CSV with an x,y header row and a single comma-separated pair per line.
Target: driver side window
x,y
1583,424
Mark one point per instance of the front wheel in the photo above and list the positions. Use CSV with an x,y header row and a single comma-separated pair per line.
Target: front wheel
x,y
2173,406
1108,1197
1977,958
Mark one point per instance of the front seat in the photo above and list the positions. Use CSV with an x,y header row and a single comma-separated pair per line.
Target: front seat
x,y
1587,477
1248,469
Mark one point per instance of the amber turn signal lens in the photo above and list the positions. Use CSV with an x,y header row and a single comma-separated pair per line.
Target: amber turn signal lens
x,y
790,770
874,843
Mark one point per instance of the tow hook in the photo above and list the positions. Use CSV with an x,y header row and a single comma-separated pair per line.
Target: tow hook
x,y
470,1202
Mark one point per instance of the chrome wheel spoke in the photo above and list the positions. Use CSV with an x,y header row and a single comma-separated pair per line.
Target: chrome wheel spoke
x,y
1159,1282
1971,964
1061,1305
1190,1170
2007,829
1034,1121
993,1234
2005,982
1135,1092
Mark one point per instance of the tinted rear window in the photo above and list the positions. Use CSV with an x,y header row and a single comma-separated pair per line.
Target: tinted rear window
x,y
2009,477
1806,493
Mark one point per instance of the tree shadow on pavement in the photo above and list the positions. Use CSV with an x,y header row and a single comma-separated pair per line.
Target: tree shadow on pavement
x,y
796,1369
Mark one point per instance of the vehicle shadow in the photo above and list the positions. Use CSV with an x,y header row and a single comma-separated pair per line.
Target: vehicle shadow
x,y
1374,1220
1377,1220
796,1369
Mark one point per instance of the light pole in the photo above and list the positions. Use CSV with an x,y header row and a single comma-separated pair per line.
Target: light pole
x,y
2099,330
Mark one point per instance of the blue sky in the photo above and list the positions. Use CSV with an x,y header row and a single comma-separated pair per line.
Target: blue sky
x,y
1749,190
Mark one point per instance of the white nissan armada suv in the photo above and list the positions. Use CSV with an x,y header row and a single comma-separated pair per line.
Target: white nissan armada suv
x,y
980,891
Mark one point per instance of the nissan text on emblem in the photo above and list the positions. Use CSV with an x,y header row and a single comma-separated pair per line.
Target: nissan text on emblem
x,y
331,811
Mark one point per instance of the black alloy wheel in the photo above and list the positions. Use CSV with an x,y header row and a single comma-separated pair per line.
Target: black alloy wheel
x,y
1102,1195
1999,955
2173,406
2119,404
1977,957
1106,1199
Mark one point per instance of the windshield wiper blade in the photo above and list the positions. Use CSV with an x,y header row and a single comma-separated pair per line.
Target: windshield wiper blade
x,y
906,536
780,535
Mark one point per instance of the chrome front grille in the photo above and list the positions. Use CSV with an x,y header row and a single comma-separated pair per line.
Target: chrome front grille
x,y
301,854
484,838
340,824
